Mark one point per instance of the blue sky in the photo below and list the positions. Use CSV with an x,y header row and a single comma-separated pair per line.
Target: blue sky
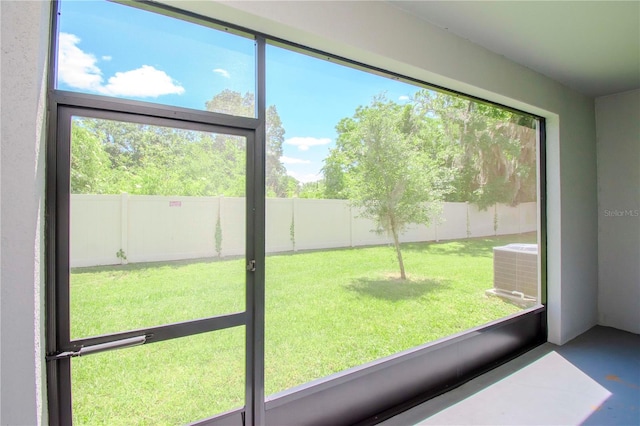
x,y
117,50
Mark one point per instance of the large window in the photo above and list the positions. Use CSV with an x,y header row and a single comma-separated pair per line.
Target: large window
x,y
332,224
411,216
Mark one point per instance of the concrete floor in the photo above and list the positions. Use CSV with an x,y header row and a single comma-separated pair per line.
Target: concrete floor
x,y
592,380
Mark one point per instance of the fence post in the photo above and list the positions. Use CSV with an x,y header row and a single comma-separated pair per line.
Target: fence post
x,y
124,227
292,227
217,229
435,221
466,203
350,224
519,206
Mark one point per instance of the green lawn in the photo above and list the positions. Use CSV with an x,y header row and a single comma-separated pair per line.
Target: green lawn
x,y
326,311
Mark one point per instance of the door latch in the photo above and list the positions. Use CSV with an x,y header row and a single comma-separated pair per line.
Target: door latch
x,y
251,266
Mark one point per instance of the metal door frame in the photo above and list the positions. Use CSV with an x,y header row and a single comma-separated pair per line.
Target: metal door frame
x,y
60,346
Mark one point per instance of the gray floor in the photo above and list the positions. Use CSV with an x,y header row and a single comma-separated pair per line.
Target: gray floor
x,y
592,380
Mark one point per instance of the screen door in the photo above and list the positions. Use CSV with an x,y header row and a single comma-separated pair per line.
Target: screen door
x,y
155,268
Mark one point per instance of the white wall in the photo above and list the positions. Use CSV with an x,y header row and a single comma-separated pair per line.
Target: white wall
x,y
159,228
618,146
25,37
371,32
378,34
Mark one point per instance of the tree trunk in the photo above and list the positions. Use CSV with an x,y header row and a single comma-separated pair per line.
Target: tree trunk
x,y
396,241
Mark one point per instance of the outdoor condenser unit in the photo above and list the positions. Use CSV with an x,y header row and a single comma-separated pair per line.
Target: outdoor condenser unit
x,y
515,272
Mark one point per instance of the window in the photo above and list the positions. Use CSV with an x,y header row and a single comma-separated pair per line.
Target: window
x,y
154,58
171,382
332,227
143,194
411,216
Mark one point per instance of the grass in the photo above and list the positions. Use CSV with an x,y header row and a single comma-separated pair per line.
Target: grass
x,y
326,311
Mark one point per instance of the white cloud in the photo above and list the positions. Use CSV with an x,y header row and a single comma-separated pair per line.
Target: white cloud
x,y
305,178
291,160
304,144
106,58
144,82
75,67
222,72
78,69
404,98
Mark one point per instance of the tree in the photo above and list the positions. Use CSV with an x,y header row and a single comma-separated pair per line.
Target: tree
x,y
277,180
234,103
335,186
382,164
494,150
293,187
90,164
155,160
312,189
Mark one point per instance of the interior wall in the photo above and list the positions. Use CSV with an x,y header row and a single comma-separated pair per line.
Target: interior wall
x,y
618,148
25,44
379,34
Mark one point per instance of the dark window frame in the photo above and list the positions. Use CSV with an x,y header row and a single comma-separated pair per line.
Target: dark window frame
x,y
363,394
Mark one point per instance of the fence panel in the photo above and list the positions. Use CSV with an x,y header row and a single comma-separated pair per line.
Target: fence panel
x,y
452,224
321,224
508,219
95,235
420,232
481,222
233,218
170,228
158,228
528,217
363,231
279,212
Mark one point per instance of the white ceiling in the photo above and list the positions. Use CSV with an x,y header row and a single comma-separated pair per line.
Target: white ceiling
x,y
591,46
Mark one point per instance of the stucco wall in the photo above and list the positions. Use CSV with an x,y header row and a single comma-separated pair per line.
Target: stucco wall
x,y
618,142
25,43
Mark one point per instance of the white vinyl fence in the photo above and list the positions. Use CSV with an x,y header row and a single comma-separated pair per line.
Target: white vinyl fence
x,y
106,229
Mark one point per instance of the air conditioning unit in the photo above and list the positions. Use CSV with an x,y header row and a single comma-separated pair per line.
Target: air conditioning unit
x,y
515,273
